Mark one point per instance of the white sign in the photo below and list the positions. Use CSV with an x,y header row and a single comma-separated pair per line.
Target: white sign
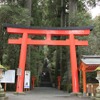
x,y
27,79
8,77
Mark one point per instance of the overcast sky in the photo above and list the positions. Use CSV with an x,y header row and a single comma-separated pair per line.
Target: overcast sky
x,y
95,11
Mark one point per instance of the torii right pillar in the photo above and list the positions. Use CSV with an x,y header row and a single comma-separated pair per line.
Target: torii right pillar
x,y
73,58
74,69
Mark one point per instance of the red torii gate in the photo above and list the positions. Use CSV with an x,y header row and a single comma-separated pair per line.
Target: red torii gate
x,y
48,32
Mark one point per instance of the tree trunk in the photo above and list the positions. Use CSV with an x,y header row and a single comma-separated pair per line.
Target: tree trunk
x,y
63,16
62,24
28,5
1,45
72,9
72,12
59,65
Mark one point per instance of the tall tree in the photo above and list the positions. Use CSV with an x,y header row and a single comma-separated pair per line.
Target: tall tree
x,y
28,5
72,9
17,15
62,24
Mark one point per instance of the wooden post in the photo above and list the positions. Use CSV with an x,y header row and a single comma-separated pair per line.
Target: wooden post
x,y
5,86
84,81
59,81
33,81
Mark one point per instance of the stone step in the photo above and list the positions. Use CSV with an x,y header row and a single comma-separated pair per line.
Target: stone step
x,y
96,98
97,95
3,98
2,94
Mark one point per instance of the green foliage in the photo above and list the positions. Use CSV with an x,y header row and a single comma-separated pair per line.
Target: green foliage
x,y
13,14
43,13
3,67
96,36
93,48
91,2
91,77
81,19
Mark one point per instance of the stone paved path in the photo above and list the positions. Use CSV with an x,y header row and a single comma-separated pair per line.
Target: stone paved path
x,y
44,93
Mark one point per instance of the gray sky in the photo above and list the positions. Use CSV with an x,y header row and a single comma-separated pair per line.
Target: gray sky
x,y
95,11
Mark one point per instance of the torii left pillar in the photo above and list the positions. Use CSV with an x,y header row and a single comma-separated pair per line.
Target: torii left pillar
x,y
22,62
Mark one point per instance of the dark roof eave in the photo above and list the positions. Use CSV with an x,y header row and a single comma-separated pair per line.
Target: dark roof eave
x,y
5,25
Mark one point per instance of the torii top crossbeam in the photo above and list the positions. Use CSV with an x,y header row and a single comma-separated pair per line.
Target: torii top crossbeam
x,y
48,33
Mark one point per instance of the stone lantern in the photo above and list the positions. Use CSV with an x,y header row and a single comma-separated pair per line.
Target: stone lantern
x,y
2,93
97,96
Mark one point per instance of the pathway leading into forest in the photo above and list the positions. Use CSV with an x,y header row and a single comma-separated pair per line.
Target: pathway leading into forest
x,y
44,93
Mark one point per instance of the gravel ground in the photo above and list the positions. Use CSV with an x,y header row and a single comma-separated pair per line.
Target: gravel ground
x,y
44,93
